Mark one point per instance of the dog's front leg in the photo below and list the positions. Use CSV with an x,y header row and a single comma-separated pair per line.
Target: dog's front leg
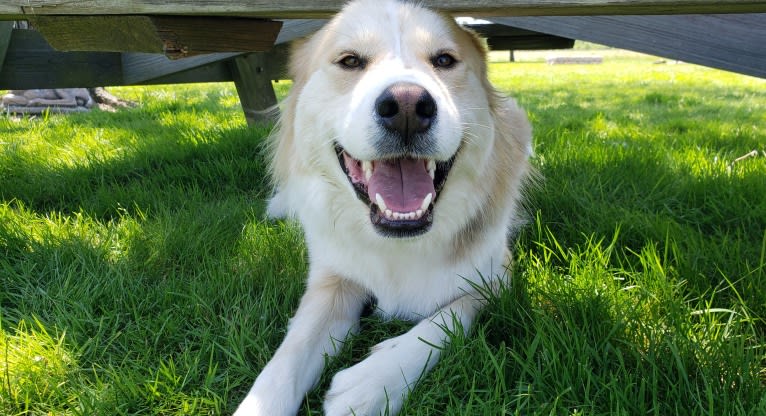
x,y
379,384
328,312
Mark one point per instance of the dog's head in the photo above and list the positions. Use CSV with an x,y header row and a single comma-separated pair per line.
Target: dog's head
x,y
395,94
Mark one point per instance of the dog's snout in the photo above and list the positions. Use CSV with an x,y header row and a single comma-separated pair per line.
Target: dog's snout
x,y
406,108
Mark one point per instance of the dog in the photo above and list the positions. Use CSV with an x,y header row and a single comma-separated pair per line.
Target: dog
x,y
62,97
405,168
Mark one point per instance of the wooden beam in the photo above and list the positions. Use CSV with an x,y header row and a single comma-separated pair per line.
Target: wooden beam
x,y
275,65
31,63
729,42
5,39
189,35
298,28
142,68
175,36
99,33
31,56
217,71
509,38
22,9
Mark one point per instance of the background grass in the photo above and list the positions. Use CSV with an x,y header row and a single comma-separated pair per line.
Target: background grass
x,y
139,275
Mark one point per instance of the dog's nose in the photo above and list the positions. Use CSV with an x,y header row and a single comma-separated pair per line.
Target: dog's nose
x,y
406,109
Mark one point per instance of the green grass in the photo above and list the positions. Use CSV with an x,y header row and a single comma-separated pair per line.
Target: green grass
x,y
139,275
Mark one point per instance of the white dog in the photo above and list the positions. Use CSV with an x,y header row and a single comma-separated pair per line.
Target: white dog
x,y
404,167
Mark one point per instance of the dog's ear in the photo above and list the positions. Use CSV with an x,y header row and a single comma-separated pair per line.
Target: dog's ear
x,y
473,46
478,51
282,143
478,42
511,120
300,59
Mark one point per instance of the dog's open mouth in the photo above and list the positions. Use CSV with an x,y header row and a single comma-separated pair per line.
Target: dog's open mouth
x,y
400,192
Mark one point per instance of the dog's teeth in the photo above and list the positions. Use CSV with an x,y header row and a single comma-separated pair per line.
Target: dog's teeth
x,y
367,169
426,202
403,216
381,203
431,166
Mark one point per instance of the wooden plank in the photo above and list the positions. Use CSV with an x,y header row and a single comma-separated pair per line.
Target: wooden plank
x,y
578,60
274,66
729,42
99,33
31,63
527,43
509,38
188,36
217,71
175,36
140,68
31,56
298,28
144,68
18,9
5,39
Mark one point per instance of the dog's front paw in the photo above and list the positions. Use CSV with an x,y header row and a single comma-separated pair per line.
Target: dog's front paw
x,y
272,394
379,384
260,404
365,390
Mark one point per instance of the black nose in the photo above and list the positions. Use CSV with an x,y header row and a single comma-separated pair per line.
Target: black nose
x,y
406,109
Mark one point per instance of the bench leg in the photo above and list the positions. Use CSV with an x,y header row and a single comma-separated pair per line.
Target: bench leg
x,y
5,39
259,102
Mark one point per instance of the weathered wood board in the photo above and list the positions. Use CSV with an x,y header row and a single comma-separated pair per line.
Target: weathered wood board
x,y
17,9
174,36
730,42
31,63
502,37
5,39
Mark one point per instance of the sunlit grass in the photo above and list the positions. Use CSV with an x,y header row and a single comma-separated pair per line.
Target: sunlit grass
x,y
138,275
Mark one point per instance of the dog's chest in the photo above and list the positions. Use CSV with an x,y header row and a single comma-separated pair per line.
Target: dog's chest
x,y
406,283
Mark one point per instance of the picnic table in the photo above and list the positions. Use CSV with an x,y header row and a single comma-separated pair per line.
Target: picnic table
x,y
93,43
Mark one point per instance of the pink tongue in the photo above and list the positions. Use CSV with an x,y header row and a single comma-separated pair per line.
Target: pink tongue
x,y
403,184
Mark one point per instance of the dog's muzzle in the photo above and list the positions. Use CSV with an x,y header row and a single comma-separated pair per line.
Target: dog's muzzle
x,y
402,186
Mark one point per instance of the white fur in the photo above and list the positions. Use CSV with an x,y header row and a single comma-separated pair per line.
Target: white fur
x,y
428,278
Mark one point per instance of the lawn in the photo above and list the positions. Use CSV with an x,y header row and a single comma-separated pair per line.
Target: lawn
x,y
138,275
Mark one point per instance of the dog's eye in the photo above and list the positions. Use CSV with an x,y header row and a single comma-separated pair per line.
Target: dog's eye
x,y
443,61
351,61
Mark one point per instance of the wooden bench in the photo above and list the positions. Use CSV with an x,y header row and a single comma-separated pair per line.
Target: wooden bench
x,y
581,60
137,42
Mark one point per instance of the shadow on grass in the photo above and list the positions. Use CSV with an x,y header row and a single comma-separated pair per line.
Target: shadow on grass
x,y
157,169
178,200
161,315
143,263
